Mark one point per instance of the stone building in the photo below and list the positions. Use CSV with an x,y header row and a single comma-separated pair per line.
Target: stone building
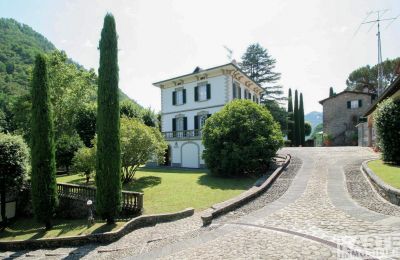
x,y
341,114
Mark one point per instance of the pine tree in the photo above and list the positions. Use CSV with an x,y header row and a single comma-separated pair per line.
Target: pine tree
x,y
331,93
301,121
290,117
296,132
44,187
259,66
108,159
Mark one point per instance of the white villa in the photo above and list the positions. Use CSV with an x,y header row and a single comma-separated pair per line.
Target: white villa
x,y
187,101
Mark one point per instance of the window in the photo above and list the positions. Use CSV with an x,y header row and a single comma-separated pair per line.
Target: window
x,y
236,90
353,104
179,97
200,120
179,124
202,92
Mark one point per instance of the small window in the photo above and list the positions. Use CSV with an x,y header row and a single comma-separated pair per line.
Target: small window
x,y
202,93
353,104
179,97
179,124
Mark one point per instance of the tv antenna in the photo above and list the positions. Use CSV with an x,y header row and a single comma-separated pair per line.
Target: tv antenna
x,y
230,53
379,19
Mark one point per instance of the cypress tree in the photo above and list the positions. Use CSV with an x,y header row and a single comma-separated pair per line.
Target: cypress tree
x,y
296,133
301,121
290,117
108,159
43,177
331,93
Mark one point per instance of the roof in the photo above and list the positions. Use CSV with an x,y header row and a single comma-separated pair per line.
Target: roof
x,y
198,70
389,91
344,92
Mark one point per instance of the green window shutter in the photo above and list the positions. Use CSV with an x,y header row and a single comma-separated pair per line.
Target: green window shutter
x,y
359,103
245,94
185,123
240,92
196,122
174,124
233,91
208,116
196,93
184,96
250,96
174,98
348,104
208,91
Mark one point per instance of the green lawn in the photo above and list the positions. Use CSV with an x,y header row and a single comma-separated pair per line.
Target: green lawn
x,y
170,190
387,172
23,229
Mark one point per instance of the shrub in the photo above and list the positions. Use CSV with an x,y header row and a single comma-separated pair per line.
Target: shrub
x,y
307,128
66,148
13,167
387,123
84,162
139,144
241,139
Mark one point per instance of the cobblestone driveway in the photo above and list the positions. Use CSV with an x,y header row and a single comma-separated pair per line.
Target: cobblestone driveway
x,y
316,218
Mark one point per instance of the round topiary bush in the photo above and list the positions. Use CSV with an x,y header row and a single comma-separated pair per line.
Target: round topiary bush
x,y
241,139
387,123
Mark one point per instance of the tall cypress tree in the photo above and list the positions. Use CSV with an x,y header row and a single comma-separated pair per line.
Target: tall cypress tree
x,y
290,117
301,121
296,134
43,177
108,159
331,93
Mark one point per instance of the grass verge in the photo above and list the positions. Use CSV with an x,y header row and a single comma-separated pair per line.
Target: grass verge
x,y
388,173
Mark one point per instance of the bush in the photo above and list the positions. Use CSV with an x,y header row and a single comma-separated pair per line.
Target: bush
x,y
387,122
84,162
139,144
241,139
66,148
13,167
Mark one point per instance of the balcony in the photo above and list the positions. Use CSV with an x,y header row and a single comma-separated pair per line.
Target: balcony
x,y
182,135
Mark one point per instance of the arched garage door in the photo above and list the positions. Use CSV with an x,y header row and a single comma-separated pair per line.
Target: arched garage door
x,y
190,155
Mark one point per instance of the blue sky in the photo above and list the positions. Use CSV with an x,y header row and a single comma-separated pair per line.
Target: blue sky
x,y
313,41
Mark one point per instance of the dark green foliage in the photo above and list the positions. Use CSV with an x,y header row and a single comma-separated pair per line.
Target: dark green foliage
x,y
387,123
85,124
260,66
366,77
278,113
331,93
307,128
108,158
13,167
66,147
301,122
130,109
241,139
149,118
296,132
290,117
44,188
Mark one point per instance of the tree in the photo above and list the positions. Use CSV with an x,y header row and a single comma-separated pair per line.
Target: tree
x,y
84,162
108,158
301,121
66,147
387,121
139,144
278,113
149,118
241,139
44,188
296,133
318,128
367,76
331,93
13,167
307,128
130,109
290,117
259,66
85,123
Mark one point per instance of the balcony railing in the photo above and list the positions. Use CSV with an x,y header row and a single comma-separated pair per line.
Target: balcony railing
x,y
186,134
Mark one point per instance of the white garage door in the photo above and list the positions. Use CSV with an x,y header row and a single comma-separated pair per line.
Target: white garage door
x,y
190,155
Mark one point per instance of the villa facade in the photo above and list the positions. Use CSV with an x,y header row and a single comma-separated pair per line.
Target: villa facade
x,y
186,103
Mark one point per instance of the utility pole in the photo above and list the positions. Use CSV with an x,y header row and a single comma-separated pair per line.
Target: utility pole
x,y
379,19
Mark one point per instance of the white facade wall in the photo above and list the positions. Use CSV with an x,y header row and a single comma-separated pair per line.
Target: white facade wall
x,y
186,152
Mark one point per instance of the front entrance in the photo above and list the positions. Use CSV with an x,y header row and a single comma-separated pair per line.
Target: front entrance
x,y
190,155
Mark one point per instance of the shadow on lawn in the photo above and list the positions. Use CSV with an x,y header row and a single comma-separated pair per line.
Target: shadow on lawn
x,y
143,182
225,183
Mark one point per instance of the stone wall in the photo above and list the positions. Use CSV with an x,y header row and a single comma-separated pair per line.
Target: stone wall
x,y
340,121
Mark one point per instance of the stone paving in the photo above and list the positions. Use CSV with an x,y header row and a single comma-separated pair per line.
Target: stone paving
x,y
320,216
